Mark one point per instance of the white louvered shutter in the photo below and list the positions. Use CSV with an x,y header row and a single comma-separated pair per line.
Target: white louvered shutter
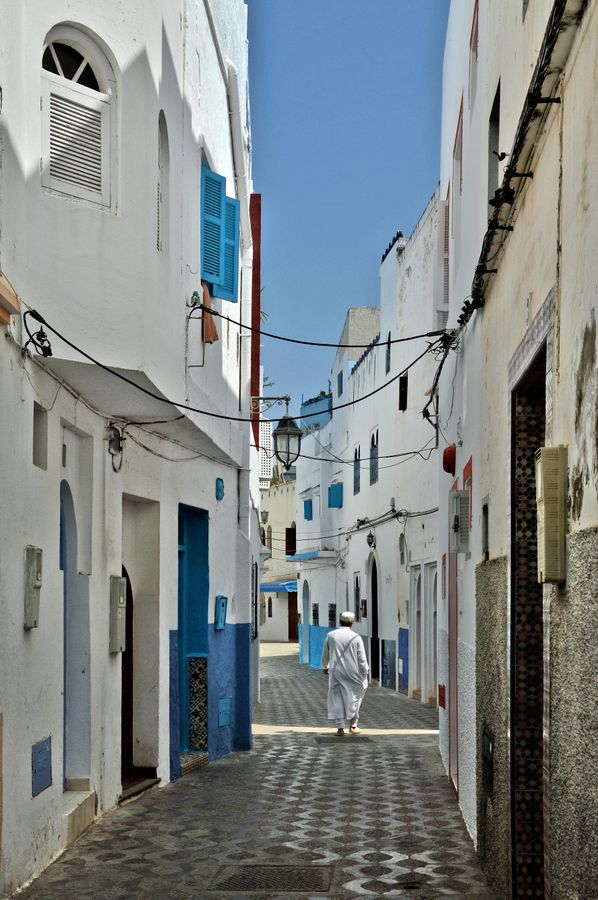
x,y
76,140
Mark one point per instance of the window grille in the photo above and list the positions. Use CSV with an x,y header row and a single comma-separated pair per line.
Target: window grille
x,y
357,470
332,615
315,614
374,458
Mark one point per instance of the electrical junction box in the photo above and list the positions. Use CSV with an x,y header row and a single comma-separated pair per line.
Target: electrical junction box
x,y
459,518
551,509
33,585
118,614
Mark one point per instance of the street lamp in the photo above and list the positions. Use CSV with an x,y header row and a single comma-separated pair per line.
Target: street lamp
x,y
286,435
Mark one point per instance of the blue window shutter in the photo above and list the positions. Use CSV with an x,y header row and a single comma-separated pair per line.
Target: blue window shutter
x,y
227,289
308,510
213,196
335,495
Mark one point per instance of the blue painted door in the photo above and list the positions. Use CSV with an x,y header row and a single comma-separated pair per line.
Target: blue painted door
x,y
404,660
193,628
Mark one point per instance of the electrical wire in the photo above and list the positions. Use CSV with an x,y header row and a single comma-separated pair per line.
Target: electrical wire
x,y
279,337
39,318
351,462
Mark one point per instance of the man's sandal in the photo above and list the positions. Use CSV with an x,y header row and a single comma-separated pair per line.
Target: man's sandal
x,y
340,732
354,729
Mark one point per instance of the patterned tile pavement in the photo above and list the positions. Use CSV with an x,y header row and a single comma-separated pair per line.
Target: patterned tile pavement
x,y
340,818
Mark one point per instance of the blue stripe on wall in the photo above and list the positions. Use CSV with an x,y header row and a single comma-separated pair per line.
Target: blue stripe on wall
x,y
173,676
317,636
229,677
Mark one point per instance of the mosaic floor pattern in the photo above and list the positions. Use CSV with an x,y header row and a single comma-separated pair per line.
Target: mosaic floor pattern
x,y
378,817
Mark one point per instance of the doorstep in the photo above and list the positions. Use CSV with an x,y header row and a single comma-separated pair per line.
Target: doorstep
x,y
192,761
78,812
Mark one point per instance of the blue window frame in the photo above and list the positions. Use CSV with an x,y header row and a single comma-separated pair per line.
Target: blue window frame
x,y
335,495
308,510
374,458
219,237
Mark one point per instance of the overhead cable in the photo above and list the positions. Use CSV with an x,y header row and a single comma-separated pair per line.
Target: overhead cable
x,y
215,415
290,340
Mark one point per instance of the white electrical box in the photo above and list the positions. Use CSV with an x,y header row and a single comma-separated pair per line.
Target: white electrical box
x,y
33,585
551,507
459,519
118,614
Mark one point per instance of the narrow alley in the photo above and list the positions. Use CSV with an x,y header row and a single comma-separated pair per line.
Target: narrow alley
x,y
304,814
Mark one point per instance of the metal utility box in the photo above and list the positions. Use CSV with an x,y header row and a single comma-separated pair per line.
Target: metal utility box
x,y
33,585
551,508
118,613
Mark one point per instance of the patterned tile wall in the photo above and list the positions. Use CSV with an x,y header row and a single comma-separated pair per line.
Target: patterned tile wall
x,y
527,638
198,703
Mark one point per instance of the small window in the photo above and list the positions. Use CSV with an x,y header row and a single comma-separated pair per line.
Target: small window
x,y
357,470
357,596
388,350
339,382
315,614
163,185
332,615
473,54
308,510
269,533
402,553
269,607
403,388
457,180
40,436
494,149
485,530
335,495
290,540
374,458
76,103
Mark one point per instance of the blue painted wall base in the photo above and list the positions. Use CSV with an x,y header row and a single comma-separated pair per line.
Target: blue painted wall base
x,y
229,676
317,636
173,674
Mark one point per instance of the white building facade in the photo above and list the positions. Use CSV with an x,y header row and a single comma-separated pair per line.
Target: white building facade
x,y
371,487
518,171
278,585
130,532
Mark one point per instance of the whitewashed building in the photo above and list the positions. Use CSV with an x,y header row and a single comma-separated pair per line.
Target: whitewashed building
x,y
129,528
369,493
278,585
518,545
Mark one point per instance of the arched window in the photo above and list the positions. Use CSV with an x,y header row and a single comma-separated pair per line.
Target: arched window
x,y
163,184
388,346
78,91
374,457
269,536
402,549
357,470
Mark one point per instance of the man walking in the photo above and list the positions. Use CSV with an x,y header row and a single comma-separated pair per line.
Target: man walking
x,y
344,661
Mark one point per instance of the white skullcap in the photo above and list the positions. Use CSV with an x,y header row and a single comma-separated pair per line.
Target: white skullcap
x,y
347,618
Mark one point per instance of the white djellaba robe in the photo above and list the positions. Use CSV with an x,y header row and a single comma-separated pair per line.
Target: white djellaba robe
x,y
344,656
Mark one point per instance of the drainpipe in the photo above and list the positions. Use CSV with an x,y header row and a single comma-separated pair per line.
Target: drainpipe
x,y
241,178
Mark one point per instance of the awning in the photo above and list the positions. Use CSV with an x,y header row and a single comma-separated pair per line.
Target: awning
x,y
279,587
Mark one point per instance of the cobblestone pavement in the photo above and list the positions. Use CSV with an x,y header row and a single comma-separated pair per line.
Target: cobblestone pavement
x,y
305,814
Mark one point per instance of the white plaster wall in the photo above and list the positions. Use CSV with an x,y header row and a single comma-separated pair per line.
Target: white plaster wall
x,y
276,627
95,274
474,391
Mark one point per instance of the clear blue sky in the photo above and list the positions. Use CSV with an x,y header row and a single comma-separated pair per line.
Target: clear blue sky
x,y
345,109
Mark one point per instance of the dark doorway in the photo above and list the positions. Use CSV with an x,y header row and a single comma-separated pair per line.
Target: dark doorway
x,y
293,616
375,644
528,425
133,778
